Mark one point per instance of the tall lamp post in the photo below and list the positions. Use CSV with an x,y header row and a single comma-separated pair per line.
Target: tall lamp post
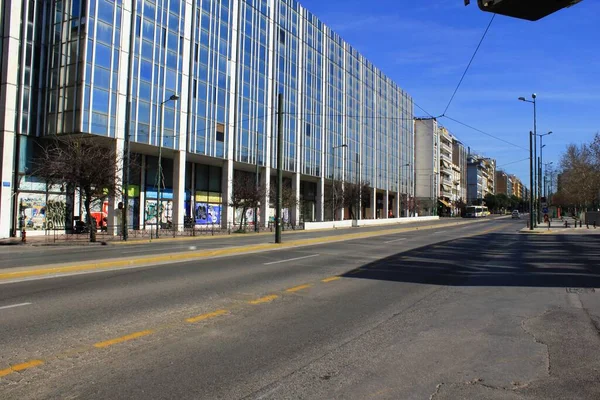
x,y
173,97
542,176
533,170
333,148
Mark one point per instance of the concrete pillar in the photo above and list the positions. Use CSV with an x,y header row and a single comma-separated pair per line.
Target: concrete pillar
x,y
295,212
265,182
373,203
386,204
320,211
9,104
178,189
396,209
227,187
115,215
143,193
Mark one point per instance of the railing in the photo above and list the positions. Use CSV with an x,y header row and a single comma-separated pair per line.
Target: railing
x,y
113,233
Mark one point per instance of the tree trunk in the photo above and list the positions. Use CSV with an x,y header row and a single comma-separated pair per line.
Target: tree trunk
x,y
91,226
243,219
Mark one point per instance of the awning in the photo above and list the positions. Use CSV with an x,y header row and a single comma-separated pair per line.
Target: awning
x,y
444,202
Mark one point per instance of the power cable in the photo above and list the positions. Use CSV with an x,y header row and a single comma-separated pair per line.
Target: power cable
x,y
469,65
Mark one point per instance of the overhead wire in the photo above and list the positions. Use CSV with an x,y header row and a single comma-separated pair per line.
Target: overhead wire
x,y
469,64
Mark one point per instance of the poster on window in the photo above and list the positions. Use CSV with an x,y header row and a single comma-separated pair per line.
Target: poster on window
x,y
35,213
248,218
152,212
206,213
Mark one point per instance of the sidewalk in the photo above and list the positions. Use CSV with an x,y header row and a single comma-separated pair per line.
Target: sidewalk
x,y
557,227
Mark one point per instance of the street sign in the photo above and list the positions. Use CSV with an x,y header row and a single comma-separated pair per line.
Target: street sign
x,y
545,210
544,204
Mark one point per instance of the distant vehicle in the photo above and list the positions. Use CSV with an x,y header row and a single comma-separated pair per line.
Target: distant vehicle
x,y
531,10
515,214
476,212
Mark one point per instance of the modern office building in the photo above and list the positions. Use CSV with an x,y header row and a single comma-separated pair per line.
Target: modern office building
x,y
215,69
427,165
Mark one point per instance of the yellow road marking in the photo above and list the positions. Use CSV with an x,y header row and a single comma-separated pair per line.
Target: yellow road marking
x,y
20,367
330,279
209,315
229,251
297,288
265,299
122,339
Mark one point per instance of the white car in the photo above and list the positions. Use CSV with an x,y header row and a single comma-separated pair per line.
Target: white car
x,y
516,215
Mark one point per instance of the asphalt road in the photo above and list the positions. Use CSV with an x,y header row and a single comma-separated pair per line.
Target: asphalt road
x,y
21,256
476,311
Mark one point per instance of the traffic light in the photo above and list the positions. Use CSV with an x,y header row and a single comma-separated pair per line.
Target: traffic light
x,y
531,10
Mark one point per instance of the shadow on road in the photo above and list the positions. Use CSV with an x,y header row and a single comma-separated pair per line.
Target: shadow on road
x,y
495,259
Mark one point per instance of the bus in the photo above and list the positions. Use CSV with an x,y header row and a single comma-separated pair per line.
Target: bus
x,y
476,212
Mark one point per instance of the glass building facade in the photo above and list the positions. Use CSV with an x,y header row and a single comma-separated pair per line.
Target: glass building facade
x,y
227,60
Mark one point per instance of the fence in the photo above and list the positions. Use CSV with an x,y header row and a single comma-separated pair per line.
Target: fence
x,y
114,233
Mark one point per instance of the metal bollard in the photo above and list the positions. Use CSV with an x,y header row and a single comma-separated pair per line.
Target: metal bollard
x,y
23,236
580,223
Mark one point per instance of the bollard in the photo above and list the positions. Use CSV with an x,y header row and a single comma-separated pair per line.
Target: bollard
x,y
594,224
23,236
580,223
566,224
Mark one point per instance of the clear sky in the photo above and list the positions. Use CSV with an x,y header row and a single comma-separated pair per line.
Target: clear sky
x,y
425,45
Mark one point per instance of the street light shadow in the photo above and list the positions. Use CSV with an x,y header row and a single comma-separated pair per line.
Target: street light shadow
x,y
495,259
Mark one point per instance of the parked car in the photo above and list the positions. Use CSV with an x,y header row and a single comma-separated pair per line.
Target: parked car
x,y
516,215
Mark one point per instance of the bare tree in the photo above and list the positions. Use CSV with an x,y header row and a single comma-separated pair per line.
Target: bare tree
x,y
334,197
245,194
356,195
81,162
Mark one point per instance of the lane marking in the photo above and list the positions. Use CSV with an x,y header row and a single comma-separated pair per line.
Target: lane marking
x,y
330,279
265,299
438,232
122,339
397,240
298,288
209,315
20,367
107,265
291,259
14,305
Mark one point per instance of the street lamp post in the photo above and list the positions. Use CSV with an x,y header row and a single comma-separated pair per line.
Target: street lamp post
x,y
534,170
334,169
542,162
173,97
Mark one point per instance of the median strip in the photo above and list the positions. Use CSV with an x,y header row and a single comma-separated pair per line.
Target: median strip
x,y
122,339
206,316
20,367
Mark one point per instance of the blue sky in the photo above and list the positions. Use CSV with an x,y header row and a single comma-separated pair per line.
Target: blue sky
x,y
425,46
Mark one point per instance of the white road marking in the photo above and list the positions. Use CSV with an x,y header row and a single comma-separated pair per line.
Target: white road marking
x,y
291,259
396,240
14,305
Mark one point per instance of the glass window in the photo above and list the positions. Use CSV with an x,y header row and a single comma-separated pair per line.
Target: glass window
x,y
144,112
146,71
148,29
149,10
102,77
99,123
104,32
145,90
106,10
103,54
173,22
147,50
100,100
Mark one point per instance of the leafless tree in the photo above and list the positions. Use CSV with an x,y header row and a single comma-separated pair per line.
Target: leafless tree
x,y
245,194
289,199
355,193
334,197
81,162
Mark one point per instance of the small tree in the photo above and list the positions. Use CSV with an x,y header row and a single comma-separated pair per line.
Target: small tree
x,y
245,194
355,193
289,199
81,162
334,197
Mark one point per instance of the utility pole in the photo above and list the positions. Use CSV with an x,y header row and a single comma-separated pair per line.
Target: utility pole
x,y
128,105
279,167
531,219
